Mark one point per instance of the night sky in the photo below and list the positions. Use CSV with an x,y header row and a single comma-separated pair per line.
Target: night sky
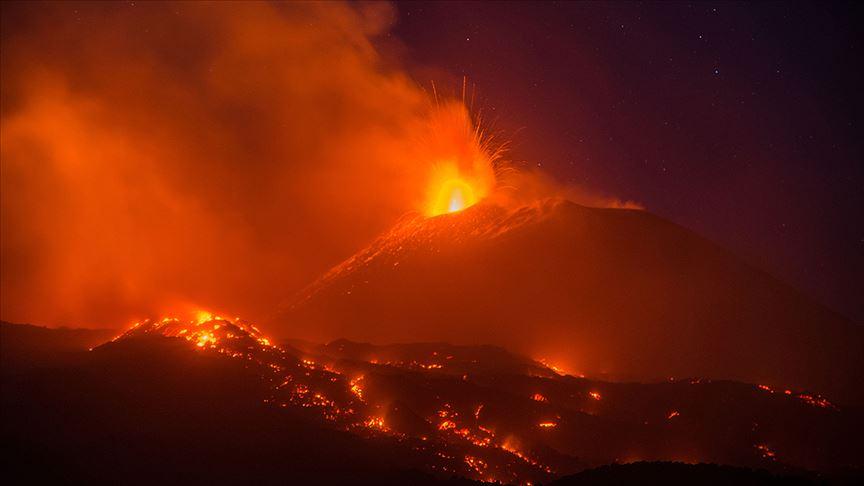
x,y
739,121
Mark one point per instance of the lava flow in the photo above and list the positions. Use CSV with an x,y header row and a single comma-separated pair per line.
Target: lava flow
x,y
337,392
486,414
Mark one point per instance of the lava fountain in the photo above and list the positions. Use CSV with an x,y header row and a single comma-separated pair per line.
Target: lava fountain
x,y
453,195
465,160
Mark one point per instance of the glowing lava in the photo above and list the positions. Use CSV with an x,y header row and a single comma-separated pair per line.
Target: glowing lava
x,y
455,195
451,191
465,437
462,161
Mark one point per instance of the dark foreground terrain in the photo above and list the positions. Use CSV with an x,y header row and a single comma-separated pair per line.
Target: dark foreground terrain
x,y
176,402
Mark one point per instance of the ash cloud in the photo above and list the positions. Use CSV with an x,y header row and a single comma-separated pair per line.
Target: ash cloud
x,y
160,157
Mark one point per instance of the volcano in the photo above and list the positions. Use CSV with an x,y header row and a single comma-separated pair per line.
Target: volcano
x,y
615,293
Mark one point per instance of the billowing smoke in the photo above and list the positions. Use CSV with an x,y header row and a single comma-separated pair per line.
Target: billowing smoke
x,y
162,155
159,158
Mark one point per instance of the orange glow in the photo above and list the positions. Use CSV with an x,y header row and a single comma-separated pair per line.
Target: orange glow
x,y
595,395
673,414
477,464
202,316
539,398
356,389
451,190
557,369
766,452
376,423
810,399
816,401
462,171
509,447
455,195
548,425
205,338
447,425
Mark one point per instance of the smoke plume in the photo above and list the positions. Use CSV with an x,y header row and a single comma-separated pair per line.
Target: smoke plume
x,y
160,155
160,158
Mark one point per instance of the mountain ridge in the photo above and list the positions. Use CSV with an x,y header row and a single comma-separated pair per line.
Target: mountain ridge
x,y
626,292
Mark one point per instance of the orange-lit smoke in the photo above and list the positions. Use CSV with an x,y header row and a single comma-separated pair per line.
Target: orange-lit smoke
x,y
156,155
525,186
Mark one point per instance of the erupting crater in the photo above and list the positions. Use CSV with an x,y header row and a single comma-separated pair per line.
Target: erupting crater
x,y
450,190
463,160
456,195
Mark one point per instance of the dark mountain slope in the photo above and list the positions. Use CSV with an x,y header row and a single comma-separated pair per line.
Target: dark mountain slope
x,y
214,401
152,410
601,291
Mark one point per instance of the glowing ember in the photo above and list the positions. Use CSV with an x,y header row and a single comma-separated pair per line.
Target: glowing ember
x,y
507,446
766,452
205,338
447,425
478,465
356,389
547,425
552,367
595,395
810,399
376,423
673,414
539,398
816,401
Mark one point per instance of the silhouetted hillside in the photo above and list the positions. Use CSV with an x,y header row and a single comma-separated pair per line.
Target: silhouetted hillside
x,y
673,473
215,401
25,344
153,411
612,292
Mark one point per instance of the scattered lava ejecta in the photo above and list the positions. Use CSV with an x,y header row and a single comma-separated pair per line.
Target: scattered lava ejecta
x,y
338,392
463,171
484,413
